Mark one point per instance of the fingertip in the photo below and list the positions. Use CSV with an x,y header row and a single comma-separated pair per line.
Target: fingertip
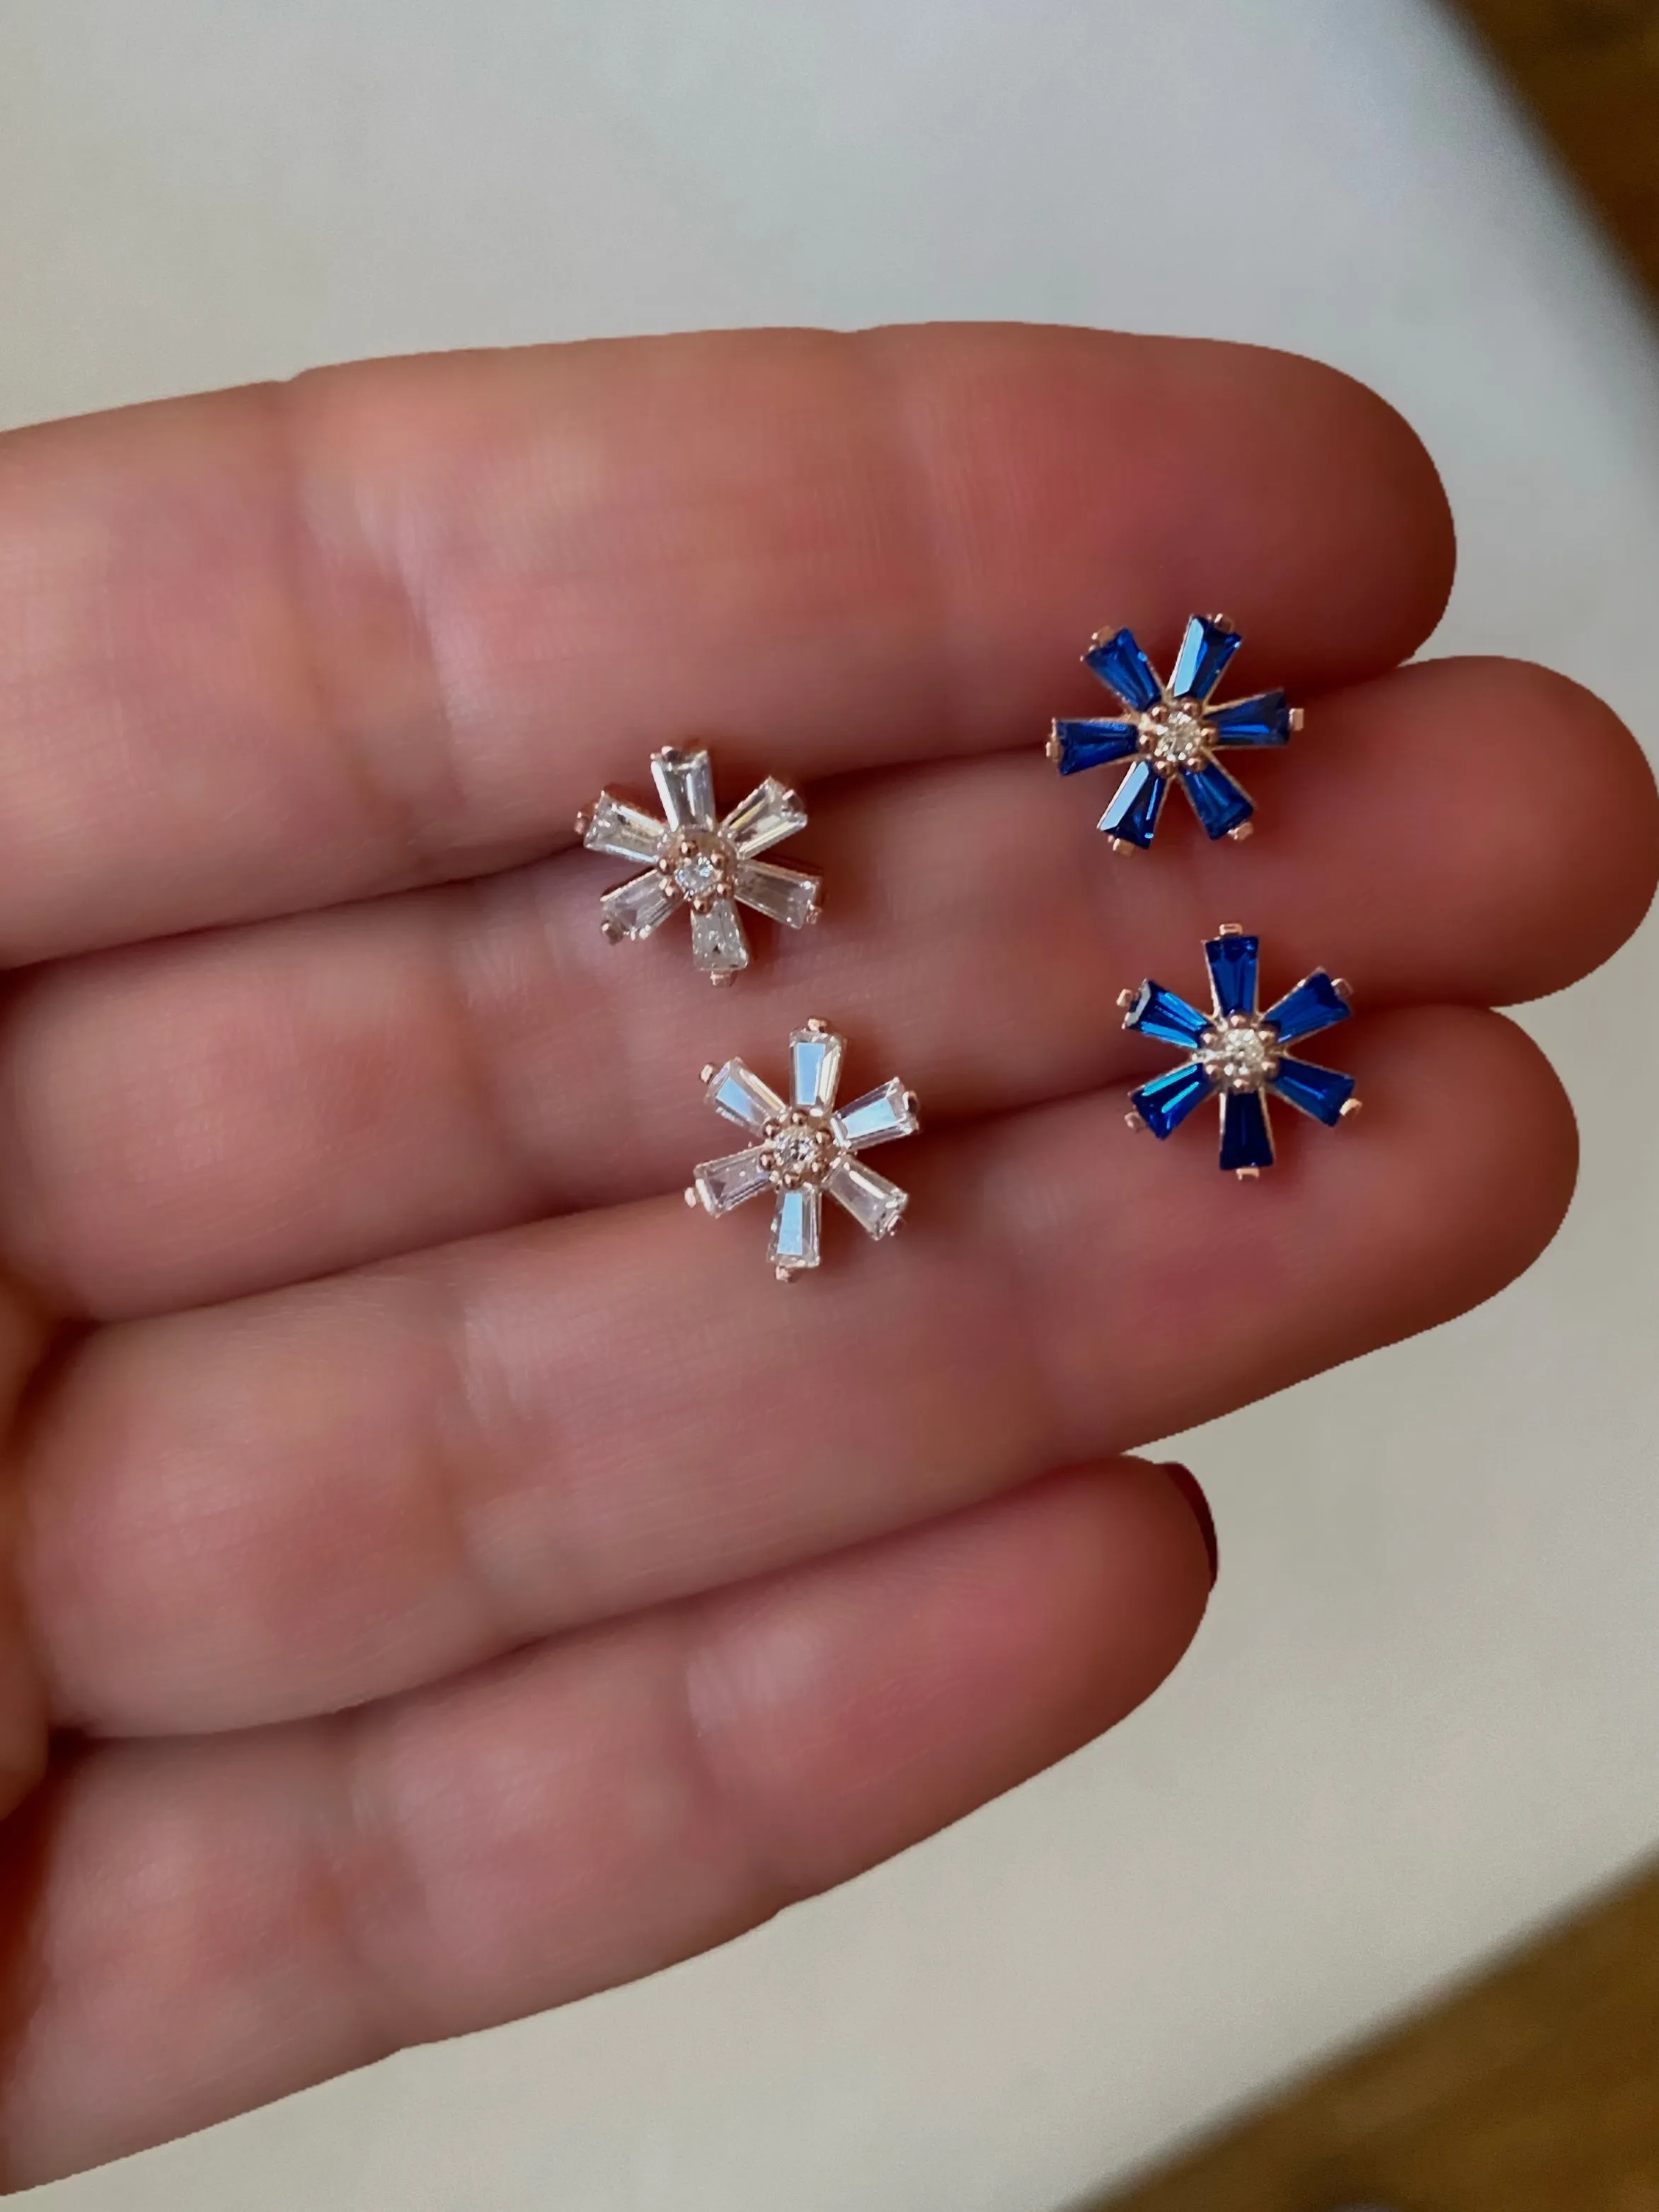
x,y
1190,1491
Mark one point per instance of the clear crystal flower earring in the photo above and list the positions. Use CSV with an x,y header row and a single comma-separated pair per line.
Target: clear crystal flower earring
x,y
804,1148
1238,1053
1170,731
694,860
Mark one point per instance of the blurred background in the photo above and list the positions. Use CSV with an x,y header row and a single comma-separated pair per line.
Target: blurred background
x,y
1420,1724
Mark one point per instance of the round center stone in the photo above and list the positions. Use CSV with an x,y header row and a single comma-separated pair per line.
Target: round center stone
x,y
1174,737
801,1151
700,868
1241,1059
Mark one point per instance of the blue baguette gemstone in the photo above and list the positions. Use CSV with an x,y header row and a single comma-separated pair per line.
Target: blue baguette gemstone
x,y
1263,720
1320,1091
1092,744
1219,803
1120,662
1233,971
1159,1013
1165,1102
1205,652
1313,1006
1133,814
1246,1141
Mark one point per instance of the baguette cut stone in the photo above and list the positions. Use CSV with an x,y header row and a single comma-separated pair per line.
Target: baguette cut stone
x,y
769,814
626,832
873,1202
685,785
1246,1139
815,1058
795,1228
879,1118
1205,649
1159,1013
1092,744
722,1184
806,1149
1315,1005
738,1093
718,943
782,894
636,907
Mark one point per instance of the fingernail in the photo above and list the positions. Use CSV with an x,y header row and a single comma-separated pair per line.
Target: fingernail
x,y
1188,1484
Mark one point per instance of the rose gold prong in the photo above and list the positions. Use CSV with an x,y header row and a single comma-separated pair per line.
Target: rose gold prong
x,y
584,822
1116,844
912,1105
1247,1175
1127,999
1298,720
1133,1122
1104,636
691,1197
722,976
710,1072
612,934
1054,748
1243,830
1343,988
1349,1106
1230,929
818,1028
786,1274
1226,623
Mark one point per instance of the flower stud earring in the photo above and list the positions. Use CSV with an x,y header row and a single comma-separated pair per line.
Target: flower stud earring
x,y
1170,731
694,860
1238,1054
804,1148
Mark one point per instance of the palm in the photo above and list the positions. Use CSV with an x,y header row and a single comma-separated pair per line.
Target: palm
x,y
459,1577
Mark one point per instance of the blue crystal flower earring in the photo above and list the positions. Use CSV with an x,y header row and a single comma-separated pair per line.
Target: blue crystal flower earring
x,y
1171,730
804,1148
1238,1053
693,860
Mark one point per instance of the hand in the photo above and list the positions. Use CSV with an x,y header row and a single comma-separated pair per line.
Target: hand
x,y
459,1576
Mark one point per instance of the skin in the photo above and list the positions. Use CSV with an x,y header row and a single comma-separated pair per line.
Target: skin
x,y
446,1577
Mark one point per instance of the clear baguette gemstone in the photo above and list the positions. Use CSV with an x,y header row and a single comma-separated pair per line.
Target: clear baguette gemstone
x,y
718,943
877,1118
722,1184
636,907
783,894
626,832
685,784
873,1202
769,814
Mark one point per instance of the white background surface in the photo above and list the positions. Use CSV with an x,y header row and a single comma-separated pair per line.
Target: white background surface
x,y
1425,1707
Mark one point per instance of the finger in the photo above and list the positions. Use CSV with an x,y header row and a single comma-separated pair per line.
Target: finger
x,y
185,1122
329,1493
25,1333
286,1905
396,624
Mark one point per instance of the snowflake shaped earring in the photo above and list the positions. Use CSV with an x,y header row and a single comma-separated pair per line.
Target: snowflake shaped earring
x,y
804,1148
694,860
1172,732
1238,1053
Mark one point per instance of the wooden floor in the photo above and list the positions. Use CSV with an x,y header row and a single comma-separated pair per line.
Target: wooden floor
x,y
1537,2089
1589,70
